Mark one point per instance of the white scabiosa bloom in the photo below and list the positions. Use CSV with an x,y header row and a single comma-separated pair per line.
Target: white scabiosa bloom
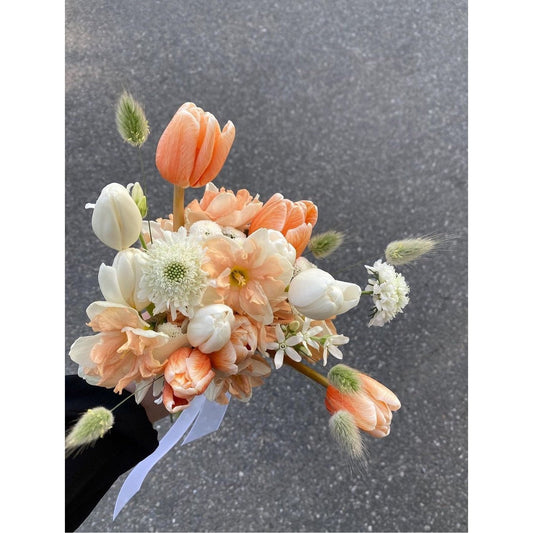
x,y
389,292
173,279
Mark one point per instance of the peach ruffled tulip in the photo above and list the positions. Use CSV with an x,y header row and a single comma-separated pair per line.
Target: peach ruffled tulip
x,y
295,220
124,348
224,207
371,406
188,372
192,149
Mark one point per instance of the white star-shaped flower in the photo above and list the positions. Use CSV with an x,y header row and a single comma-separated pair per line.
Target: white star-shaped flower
x,y
284,346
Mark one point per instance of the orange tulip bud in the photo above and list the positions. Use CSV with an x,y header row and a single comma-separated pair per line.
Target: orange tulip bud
x,y
371,406
192,149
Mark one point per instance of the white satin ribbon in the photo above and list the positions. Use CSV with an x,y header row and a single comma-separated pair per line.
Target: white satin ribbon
x,y
206,417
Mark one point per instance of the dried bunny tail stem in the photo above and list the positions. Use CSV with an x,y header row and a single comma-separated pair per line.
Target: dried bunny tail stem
x,y
307,371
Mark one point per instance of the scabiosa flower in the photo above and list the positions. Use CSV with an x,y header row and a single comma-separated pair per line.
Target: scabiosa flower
x,y
389,292
173,279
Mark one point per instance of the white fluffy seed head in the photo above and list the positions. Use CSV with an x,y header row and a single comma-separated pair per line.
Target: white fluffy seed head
x,y
409,250
92,425
345,432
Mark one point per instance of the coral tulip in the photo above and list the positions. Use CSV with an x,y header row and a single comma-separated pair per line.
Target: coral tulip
x,y
371,406
295,220
187,373
192,149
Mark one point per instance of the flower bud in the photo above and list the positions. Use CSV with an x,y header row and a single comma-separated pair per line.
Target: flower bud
x,y
192,149
119,282
139,198
94,424
209,329
318,295
116,219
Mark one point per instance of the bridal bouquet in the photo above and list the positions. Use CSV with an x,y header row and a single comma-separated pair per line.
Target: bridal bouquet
x,y
209,300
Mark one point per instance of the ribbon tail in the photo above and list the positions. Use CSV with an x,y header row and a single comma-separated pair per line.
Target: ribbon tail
x,y
133,482
208,421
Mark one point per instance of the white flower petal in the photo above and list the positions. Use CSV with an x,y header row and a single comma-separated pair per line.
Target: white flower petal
x,y
278,359
293,354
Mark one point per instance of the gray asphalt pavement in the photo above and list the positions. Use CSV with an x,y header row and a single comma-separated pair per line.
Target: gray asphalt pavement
x,y
361,107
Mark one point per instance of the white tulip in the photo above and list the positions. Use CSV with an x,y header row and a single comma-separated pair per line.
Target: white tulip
x,y
116,220
119,282
318,295
210,327
282,246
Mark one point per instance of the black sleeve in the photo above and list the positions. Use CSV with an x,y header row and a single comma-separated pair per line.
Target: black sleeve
x,y
90,474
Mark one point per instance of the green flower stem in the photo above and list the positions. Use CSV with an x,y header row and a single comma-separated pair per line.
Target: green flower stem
x,y
143,181
143,243
307,371
133,393
367,292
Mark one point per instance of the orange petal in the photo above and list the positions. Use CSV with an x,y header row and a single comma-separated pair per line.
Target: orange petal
x,y
312,212
224,359
272,215
380,432
176,150
295,217
299,237
380,392
221,150
205,145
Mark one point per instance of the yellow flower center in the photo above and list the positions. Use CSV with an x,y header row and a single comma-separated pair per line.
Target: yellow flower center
x,y
238,277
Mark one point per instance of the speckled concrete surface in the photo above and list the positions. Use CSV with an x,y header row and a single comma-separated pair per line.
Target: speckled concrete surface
x,y
361,107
